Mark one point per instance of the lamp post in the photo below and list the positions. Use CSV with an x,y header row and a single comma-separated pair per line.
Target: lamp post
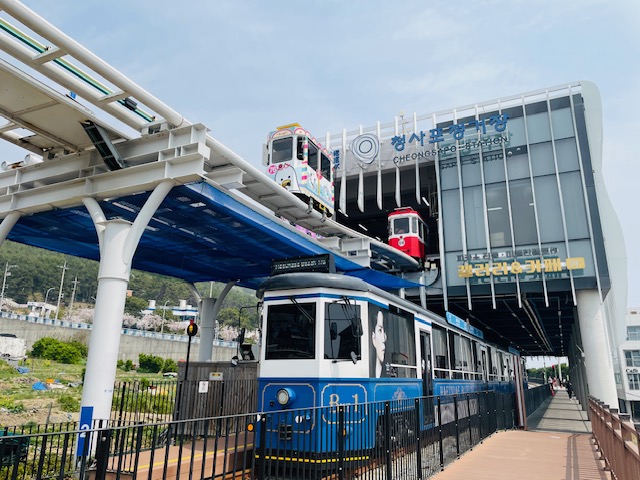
x,y
7,273
46,297
164,309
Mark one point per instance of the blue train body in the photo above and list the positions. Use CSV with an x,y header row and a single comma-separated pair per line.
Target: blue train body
x,y
331,341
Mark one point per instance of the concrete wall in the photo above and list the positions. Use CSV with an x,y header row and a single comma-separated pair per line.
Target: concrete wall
x,y
131,345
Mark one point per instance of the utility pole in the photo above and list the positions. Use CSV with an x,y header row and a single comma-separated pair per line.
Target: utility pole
x,y
7,273
64,269
73,296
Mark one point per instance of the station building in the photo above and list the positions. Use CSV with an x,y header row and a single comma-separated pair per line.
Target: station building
x,y
523,242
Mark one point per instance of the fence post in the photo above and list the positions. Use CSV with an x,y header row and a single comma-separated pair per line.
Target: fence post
x,y
341,435
470,428
43,451
262,448
455,417
418,443
481,414
102,453
387,443
439,404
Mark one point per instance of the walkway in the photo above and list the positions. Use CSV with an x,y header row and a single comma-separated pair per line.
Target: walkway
x,y
556,446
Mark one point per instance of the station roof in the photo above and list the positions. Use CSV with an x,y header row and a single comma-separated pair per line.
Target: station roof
x,y
198,234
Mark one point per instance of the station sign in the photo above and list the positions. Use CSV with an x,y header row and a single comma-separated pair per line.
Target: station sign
x,y
463,325
317,263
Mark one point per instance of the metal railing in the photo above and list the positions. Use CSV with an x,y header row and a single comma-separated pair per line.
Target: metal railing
x,y
398,439
617,439
534,397
151,402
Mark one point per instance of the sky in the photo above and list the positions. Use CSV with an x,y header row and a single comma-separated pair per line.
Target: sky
x,y
244,67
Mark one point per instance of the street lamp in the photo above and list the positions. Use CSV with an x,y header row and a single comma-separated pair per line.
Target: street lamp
x,y
164,309
46,297
7,272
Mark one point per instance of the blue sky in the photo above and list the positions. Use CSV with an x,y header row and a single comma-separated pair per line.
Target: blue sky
x,y
245,67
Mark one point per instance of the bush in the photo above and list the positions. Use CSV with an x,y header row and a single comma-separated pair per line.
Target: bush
x,y
69,403
170,365
150,363
56,350
11,405
125,366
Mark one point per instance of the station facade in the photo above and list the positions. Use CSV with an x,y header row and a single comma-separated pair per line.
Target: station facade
x,y
523,242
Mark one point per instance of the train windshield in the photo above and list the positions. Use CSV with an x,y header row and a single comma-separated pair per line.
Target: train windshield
x,y
282,150
401,226
290,331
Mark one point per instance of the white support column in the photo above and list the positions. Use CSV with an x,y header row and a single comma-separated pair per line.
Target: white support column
x,y
7,224
598,359
118,241
208,312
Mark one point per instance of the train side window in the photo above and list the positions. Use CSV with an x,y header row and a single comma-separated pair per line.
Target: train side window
x,y
325,166
440,352
282,150
340,339
414,225
313,157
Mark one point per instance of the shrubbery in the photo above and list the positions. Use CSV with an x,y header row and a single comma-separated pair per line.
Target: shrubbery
x,y
154,364
69,403
59,351
126,366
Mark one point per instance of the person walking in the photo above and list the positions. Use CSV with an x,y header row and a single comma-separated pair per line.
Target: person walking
x,y
569,388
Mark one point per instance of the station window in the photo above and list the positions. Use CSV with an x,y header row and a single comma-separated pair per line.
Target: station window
x,y
340,339
632,357
633,333
291,331
282,150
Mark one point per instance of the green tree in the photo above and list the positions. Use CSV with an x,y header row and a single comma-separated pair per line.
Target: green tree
x,y
135,305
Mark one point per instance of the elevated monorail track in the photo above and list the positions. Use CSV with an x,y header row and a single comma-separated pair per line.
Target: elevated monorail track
x,y
44,121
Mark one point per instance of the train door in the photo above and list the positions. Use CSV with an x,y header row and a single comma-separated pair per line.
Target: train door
x,y
427,377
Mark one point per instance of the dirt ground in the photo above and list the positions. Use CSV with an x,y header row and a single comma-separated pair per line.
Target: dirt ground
x,y
37,411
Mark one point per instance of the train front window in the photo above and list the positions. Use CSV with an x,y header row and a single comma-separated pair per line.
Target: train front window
x,y
291,331
400,226
282,150
340,339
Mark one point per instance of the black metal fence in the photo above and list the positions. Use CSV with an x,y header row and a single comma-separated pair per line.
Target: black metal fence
x,y
152,402
534,397
409,438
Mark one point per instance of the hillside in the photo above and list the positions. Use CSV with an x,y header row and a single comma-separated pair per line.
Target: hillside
x,y
35,274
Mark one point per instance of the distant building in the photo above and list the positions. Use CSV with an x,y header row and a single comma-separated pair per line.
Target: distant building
x,y
628,377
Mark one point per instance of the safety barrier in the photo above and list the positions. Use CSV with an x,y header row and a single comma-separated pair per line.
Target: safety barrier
x,y
617,440
150,402
398,439
534,397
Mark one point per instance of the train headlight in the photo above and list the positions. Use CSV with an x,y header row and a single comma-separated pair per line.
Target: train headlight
x,y
401,242
285,396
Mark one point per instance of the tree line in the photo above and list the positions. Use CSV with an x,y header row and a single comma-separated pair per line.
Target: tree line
x,y
35,274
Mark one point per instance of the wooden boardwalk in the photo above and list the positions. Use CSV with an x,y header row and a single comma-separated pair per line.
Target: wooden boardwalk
x,y
557,445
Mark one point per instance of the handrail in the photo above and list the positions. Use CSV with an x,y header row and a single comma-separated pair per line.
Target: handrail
x,y
617,439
